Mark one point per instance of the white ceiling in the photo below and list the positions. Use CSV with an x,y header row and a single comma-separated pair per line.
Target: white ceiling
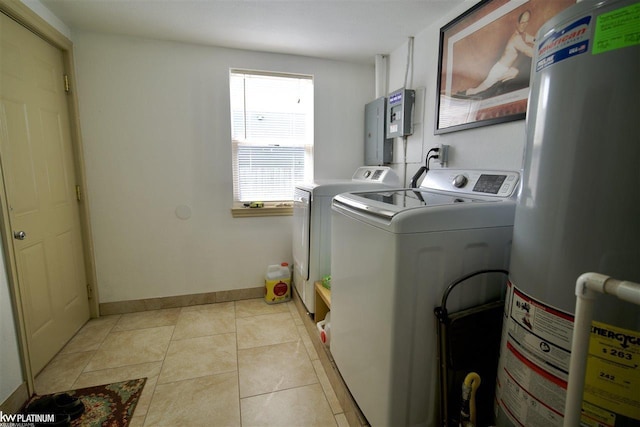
x,y
352,30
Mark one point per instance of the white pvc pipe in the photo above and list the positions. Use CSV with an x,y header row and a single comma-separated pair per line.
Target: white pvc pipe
x,y
381,67
588,286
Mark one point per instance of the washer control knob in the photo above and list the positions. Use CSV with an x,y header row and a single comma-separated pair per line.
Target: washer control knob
x,y
460,181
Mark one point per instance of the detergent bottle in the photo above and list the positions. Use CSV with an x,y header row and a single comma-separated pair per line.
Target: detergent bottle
x,y
277,283
324,329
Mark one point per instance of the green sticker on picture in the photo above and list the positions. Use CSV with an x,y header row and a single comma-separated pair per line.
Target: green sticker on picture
x,y
617,29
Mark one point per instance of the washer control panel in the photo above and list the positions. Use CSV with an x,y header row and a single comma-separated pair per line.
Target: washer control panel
x,y
479,182
379,174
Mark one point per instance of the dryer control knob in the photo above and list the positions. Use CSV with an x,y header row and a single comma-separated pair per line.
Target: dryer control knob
x,y
460,181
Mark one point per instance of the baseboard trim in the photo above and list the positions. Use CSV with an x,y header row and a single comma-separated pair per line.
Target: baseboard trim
x,y
350,407
18,398
132,306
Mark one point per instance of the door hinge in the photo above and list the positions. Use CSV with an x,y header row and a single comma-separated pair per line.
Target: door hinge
x,y
89,291
66,83
78,193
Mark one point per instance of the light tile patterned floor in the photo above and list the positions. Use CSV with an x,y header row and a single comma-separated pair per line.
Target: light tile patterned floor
x,y
243,363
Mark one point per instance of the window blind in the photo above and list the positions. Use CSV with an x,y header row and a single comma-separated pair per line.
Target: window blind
x,y
269,173
272,134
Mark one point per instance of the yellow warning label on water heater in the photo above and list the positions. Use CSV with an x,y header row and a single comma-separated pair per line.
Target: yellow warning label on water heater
x,y
612,379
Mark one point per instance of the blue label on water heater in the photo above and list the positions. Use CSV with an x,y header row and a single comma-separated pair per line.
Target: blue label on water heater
x,y
566,43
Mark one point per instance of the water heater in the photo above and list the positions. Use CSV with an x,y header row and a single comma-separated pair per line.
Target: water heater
x,y
578,211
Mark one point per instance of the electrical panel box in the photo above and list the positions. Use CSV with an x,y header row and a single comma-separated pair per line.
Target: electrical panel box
x,y
378,149
399,113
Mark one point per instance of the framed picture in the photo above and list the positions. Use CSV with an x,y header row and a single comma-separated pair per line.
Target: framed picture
x,y
485,61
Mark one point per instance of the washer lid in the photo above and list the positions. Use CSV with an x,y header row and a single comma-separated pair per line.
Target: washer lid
x,y
407,213
387,204
413,198
440,187
447,199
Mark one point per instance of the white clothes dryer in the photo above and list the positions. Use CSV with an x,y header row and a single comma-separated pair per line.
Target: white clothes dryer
x,y
312,224
393,255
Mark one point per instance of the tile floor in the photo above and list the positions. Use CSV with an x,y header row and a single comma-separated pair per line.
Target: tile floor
x,y
242,363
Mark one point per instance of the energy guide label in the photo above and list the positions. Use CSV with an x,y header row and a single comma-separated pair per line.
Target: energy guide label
x,y
612,380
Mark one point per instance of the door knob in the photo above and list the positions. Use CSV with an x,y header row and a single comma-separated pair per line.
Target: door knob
x,y
20,235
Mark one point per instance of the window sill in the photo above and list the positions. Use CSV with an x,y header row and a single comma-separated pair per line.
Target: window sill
x,y
245,212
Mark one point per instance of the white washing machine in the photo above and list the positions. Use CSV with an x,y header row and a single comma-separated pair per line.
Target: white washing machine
x,y
393,255
312,224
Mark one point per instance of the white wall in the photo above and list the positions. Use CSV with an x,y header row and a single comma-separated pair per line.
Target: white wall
x,y
10,365
156,133
490,147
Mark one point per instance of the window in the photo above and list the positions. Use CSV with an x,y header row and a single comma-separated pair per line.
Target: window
x,y
272,134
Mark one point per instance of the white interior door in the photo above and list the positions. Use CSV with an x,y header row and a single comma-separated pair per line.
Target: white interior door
x,y
38,172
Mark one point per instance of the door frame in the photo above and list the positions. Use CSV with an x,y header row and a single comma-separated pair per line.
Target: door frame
x,y
32,21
